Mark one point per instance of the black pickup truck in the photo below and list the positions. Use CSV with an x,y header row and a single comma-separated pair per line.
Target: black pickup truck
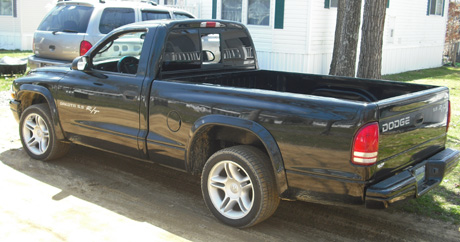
x,y
189,95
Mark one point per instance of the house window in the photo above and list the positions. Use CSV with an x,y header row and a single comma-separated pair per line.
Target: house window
x,y
435,7
232,10
331,3
6,7
259,12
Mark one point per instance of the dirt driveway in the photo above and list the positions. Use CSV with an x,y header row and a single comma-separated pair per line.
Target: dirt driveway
x,y
94,196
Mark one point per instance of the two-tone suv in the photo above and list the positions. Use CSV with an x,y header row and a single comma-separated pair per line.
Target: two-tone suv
x,y
71,28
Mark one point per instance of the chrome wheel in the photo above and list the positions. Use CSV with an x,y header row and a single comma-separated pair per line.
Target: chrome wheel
x,y
230,189
239,186
36,134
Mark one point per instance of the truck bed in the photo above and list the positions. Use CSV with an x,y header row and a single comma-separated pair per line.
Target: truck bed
x,y
424,107
318,85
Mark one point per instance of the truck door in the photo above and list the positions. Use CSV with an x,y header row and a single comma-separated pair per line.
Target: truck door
x,y
99,106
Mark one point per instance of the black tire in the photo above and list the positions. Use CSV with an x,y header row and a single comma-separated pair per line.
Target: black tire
x,y
38,136
239,187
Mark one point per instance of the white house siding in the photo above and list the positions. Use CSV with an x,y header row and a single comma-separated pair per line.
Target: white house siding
x,y
306,42
288,45
32,15
416,42
17,32
418,38
10,33
205,9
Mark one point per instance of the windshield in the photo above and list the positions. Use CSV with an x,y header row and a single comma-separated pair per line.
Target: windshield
x,y
67,18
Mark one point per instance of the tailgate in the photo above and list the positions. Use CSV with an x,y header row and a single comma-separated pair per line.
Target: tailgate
x,y
59,46
412,127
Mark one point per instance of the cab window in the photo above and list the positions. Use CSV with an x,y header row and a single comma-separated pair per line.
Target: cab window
x,y
121,54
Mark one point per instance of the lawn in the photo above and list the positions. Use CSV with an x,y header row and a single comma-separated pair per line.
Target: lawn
x,y
444,201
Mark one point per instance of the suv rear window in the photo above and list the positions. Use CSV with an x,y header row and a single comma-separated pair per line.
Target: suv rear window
x,y
68,18
182,16
113,18
154,15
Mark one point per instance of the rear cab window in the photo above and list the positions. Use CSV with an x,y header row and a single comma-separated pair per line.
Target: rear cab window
x,y
67,18
113,18
207,48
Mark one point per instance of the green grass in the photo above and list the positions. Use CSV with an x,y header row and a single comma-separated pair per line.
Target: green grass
x,y
443,202
5,81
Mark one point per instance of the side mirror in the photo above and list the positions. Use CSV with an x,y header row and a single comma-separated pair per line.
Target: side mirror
x,y
80,63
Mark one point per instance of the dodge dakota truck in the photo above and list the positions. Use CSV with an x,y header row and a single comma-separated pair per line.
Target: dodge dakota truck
x,y
189,95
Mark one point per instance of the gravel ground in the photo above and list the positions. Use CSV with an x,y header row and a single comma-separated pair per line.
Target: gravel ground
x,y
4,98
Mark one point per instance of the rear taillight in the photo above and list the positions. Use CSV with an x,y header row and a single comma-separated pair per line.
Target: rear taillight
x,y
366,145
84,47
448,117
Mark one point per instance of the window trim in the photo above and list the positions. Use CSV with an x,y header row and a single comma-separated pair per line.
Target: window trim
x,y
430,4
328,4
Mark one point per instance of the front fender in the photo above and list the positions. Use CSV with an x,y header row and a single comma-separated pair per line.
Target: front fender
x,y
258,130
23,95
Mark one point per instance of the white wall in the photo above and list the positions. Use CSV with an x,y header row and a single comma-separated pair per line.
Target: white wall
x,y
412,40
10,32
418,39
17,32
284,49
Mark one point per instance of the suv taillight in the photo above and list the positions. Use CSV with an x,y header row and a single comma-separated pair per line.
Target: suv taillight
x,y
366,145
448,117
84,47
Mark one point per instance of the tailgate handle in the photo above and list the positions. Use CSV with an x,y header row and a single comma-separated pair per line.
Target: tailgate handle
x,y
419,121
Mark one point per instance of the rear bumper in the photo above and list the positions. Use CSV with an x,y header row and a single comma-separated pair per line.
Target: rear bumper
x,y
413,182
36,62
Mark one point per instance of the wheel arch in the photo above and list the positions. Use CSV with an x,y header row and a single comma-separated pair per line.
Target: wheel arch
x,y
30,94
210,130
